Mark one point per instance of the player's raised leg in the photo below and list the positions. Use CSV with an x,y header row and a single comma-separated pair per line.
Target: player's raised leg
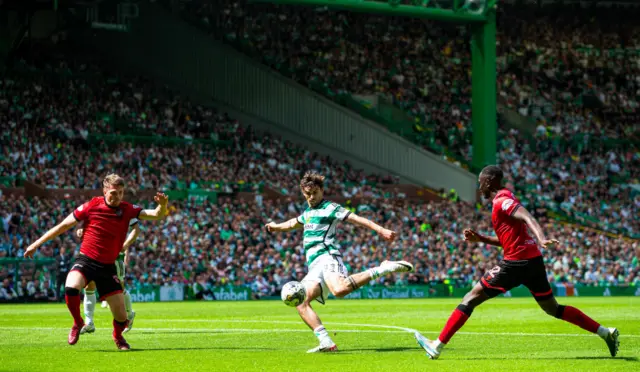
x,y
89,308
341,284
457,319
116,304
75,282
311,319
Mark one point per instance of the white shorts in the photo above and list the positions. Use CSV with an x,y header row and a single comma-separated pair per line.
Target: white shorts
x,y
320,269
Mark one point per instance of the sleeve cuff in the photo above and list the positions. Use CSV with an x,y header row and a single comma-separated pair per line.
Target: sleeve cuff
x,y
514,210
76,217
346,216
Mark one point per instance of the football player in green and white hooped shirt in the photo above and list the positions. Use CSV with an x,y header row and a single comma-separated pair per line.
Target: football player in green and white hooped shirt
x,y
327,272
90,289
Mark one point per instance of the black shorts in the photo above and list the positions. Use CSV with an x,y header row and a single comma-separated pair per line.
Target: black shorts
x,y
510,274
104,275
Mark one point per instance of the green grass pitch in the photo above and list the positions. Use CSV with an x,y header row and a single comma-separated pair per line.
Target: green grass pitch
x,y
504,334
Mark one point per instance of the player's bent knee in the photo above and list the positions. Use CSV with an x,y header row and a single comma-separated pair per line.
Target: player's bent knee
x,y
551,307
303,307
75,280
474,297
342,289
557,311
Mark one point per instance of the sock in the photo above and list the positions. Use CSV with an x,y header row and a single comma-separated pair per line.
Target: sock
x,y
574,316
438,344
127,303
603,332
322,335
118,327
455,322
72,298
89,305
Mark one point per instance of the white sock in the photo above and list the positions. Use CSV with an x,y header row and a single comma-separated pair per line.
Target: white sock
x,y
603,332
438,344
127,303
89,305
322,335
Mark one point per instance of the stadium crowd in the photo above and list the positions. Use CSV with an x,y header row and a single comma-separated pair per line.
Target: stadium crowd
x,y
57,107
218,244
43,129
574,71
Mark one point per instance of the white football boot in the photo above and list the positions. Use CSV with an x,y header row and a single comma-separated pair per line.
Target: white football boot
x,y
130,325
324,347
427,345
396,267
88,328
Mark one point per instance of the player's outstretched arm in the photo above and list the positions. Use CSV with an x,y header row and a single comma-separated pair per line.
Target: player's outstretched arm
x,y
156,214
475,237
361,221
290,225
60,228
523,215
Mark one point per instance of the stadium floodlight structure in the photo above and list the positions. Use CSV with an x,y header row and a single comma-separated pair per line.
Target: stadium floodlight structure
x,y
480,17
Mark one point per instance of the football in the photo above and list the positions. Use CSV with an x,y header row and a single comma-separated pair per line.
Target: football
x,y
293,294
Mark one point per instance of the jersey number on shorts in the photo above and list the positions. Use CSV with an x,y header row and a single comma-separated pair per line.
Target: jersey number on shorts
x,y
493,272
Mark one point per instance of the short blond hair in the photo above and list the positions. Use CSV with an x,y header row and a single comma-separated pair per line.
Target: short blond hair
x,y
312,179
113,180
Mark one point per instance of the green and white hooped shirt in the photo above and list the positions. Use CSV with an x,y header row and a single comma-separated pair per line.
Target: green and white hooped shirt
x,y
320,228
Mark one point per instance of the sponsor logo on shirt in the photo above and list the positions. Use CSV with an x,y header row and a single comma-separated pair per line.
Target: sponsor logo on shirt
x,y
507,204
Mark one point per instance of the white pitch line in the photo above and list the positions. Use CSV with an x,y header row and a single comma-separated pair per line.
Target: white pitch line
x,y
211,330
402,329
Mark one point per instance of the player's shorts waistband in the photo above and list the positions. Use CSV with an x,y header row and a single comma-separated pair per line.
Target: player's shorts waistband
x,y
523,253
85,257
535,259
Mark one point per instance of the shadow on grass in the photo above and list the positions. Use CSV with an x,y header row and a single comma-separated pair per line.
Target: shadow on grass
x,y
626,359
380,350
136,350
182,332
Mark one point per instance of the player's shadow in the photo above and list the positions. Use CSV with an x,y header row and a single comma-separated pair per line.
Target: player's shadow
x,y
182,332
627,359
189,348
379,350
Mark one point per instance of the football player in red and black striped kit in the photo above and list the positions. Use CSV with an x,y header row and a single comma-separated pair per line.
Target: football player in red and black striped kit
x,y
522,264
106,220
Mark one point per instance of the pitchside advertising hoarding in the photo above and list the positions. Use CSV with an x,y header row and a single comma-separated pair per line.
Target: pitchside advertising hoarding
x,y
177,292
174,292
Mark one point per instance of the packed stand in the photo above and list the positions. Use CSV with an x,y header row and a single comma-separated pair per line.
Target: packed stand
x,y
212,245
59,127
573,70
551,60
576,70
